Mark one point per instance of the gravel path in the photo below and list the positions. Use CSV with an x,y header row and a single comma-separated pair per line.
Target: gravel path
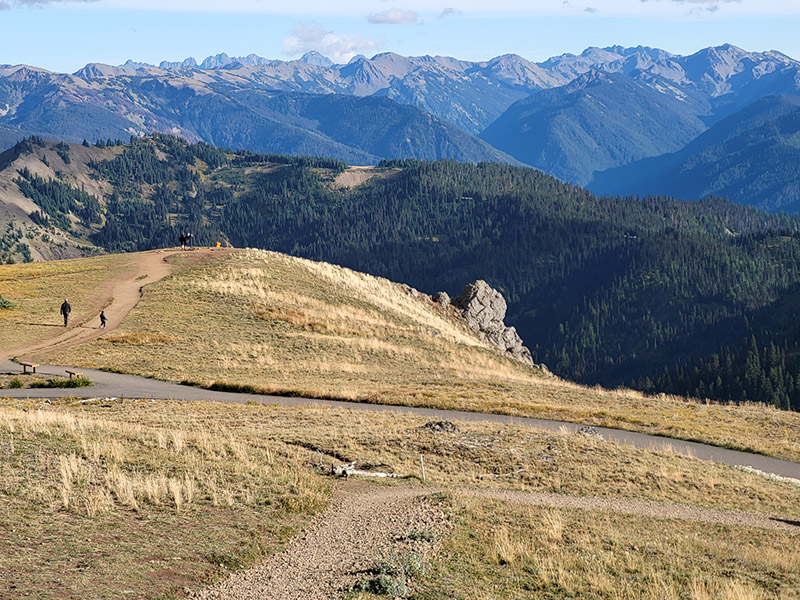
x,y
643,508
367,523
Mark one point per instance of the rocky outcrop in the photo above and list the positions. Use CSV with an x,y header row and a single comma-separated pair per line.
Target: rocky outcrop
x,y
442,298
484,309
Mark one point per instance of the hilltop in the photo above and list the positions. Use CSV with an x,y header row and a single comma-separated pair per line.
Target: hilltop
x,y
184,493
583,275
268,322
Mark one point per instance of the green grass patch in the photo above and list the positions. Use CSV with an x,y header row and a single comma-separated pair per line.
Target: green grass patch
x,y
74,382
6,303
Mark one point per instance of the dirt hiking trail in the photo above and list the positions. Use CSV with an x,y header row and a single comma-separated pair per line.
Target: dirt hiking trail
x,y
369,523
117,298
365,524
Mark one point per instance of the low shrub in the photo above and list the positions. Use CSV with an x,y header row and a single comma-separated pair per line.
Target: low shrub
x,y
75,382
6,303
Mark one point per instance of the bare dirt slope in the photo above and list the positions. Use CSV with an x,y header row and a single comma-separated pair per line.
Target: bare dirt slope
x,y
355,176
46,162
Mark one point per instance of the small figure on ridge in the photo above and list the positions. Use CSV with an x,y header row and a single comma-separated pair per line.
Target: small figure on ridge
x,y
65,310
103,319
184,240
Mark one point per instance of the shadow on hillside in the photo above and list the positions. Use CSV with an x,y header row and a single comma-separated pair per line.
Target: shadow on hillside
x,y
787,521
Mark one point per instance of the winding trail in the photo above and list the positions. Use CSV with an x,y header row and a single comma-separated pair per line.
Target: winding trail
x,y
125,292
367,522
121,296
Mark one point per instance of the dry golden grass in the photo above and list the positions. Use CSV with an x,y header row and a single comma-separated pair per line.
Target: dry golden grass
x,y
140,339
89,499
502,550
38,289
171,487
287,325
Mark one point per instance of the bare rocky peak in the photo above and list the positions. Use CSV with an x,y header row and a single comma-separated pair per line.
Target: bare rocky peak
x,y
217,61
484,309
189,63
316,59
516,71
99,70
715,71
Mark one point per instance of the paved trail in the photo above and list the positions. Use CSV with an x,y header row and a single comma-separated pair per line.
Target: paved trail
x,y
366,521
131,386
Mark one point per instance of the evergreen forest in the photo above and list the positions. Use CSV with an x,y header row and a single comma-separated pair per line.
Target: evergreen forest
x,y
651,292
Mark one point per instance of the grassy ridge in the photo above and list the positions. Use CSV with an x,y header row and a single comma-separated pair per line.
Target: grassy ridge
x,y
292,326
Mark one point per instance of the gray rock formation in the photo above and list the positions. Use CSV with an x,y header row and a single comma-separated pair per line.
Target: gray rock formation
x,y
441,298
484,309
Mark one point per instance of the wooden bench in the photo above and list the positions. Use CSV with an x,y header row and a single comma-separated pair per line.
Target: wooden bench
x,y
74,373
25,366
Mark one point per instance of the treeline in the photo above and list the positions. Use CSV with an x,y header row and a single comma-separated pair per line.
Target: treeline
x,y
57,201
769,374
650,292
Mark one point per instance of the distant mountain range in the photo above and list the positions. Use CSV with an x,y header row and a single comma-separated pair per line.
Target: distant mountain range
x,y
750,157
614,119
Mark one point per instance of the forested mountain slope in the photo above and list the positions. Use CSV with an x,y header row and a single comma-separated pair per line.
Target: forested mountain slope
x,y
606,290
750,157
596,122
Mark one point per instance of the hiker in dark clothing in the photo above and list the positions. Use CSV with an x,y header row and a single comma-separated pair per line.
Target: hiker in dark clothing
x,y
102,319
65,310
184,240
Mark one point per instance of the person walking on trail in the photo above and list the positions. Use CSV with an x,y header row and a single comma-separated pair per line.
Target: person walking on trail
x,y
103,319
65,310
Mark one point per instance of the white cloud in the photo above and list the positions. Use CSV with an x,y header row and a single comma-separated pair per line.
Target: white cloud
x,y
696,6
340,47
433,8
9,4
449,12
394,16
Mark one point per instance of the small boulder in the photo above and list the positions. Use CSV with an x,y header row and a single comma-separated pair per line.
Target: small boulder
x,y
440,427
442,298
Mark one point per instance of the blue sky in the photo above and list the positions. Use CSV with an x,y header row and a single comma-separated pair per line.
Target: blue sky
x,y
63,36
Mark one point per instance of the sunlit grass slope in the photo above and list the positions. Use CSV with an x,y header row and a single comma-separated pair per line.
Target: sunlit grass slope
x,y
269,322
149,499
38,289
